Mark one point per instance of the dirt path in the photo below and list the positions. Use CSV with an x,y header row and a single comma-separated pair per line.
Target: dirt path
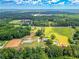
x,y
30,37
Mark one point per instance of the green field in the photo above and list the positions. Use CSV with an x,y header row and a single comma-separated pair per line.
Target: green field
x,y
63,34
66,31
67,15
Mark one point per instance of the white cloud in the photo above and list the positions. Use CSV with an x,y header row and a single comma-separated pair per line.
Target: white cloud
x,y
40,1
52,1
62,3
35,2
75,1
18,1
27,1
49,2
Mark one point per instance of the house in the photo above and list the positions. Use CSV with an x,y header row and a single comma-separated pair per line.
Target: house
x,y
26,21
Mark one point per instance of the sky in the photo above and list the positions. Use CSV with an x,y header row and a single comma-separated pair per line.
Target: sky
x,y
39,4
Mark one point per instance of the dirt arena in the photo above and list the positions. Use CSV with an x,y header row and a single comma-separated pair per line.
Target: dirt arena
x,y
13,43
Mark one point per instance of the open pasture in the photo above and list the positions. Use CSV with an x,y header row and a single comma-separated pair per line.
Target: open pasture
x,y
66,31
61,40
63,34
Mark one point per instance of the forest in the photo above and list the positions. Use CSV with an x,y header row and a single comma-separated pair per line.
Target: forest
x,y
9,31
49,52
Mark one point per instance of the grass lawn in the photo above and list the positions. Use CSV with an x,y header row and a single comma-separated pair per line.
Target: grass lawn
x,y
15,22
66,31
61,40
33,44
77,28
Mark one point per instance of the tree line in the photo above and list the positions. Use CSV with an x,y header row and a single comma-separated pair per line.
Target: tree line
x,y
49,52
10,32
56,20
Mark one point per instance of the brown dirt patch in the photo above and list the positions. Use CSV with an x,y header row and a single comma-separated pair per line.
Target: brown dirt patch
x,y
13,43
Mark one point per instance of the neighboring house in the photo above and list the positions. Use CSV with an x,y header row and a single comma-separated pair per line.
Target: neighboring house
x,y
26,21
